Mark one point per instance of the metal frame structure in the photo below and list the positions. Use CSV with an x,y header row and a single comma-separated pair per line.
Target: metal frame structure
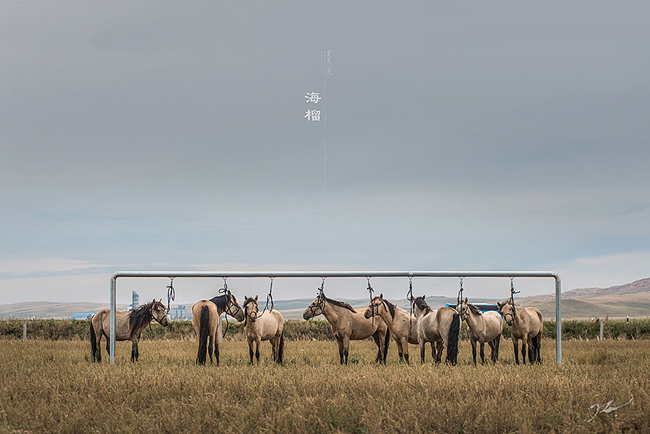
x,y
325,274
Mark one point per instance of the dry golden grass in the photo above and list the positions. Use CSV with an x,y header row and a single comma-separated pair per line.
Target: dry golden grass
x,y
52,387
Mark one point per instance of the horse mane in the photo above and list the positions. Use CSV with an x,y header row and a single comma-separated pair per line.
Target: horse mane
x,y
391,308
139,316
340,304
221,301
474,309
421,304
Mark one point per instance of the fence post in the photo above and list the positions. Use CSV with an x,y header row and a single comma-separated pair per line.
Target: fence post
x,y
24,330
601,329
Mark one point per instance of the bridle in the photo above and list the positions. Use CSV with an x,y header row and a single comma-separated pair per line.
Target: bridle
x,y
246,314
319,303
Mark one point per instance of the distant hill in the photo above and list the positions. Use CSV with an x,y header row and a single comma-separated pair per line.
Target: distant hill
x,y
632,299
46,309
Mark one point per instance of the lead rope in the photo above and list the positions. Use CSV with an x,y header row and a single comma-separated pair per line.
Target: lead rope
x,y
370,291
409,297
226,292
512,297
171,294
269,297
459,298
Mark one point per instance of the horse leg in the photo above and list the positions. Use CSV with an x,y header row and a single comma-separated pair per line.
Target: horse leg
x,y
515,343
134,350
440,346
482,352
523,351
339,341
375,337
258,341
346,348
473,342
216,351
210,347
405,349
250,349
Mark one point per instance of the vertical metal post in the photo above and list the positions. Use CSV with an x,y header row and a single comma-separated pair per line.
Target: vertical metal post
x,y
24,329
558,321
601,329
113,310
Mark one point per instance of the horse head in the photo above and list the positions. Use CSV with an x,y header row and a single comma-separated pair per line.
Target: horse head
x,y
507,311
159,312
315,308
375,304
233,309
462,307
420,307
251,309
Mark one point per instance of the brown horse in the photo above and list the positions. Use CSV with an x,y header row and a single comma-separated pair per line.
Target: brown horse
x,y
348,324
401,324
483,327
441,325
266,327
128,326
526,323
206,315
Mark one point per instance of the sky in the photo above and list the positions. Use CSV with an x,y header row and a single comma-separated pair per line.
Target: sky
x,y
455,136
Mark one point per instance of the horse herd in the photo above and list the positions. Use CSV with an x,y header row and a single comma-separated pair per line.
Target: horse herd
x,y
439,327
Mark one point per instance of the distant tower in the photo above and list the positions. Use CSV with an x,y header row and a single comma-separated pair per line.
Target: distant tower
x,y
135,300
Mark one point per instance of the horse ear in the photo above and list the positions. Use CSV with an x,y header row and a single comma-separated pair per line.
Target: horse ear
x,y
381,296
256,297
465,299
245,298
423,297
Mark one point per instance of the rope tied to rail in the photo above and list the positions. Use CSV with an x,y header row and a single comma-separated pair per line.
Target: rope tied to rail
x,y
225,291
409,297
171,294
512,296
459,297
269,298
370,291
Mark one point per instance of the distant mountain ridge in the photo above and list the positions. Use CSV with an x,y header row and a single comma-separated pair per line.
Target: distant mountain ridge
x,y
637,287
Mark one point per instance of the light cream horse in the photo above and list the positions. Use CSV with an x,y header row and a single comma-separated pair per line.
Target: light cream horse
x,y
206,315
441,326
401,324
128,327
482,327
527,324
349,324
266,327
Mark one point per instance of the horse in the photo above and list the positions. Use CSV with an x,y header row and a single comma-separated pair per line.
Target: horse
x,y
441,326
206,315
401,324
483,327
128,326
348,324
266,327
526,323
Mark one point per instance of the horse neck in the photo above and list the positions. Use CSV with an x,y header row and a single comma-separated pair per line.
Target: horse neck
x,y
331,312
473,319
137,328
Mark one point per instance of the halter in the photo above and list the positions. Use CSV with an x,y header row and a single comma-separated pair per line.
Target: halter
x,y
246,303
409,297
229,303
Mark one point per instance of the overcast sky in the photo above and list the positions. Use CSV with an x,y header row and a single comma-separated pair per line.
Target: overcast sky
x,y
452,136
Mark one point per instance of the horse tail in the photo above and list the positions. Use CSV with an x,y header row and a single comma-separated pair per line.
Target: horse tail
x,y
281,349
386,342
93,340
452,339
204,326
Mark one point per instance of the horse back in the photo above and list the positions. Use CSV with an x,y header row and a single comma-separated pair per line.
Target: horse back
x,y
359,327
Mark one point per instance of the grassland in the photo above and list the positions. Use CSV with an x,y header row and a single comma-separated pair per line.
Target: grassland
x,y
51,386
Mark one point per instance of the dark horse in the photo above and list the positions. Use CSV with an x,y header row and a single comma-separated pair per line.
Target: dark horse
x,y
206,318
128,326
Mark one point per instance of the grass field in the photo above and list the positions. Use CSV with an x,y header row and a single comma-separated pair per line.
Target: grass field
x,y
51,386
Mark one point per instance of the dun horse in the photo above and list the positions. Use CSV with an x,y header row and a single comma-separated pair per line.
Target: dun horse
x,y
401,324
483,327
441,325
348,324
266,327
526,323
128,326
206,315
